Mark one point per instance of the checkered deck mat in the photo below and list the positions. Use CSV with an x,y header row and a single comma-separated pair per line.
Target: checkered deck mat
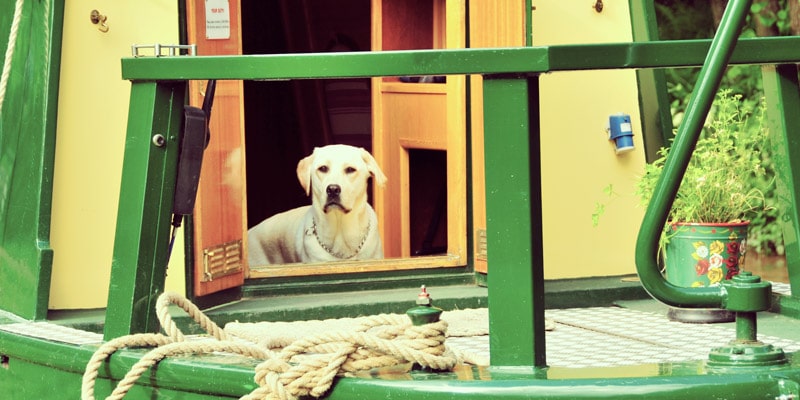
x,y
612,336
50,331
782,288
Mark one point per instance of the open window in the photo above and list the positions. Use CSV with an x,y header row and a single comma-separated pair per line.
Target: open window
x,y
415,128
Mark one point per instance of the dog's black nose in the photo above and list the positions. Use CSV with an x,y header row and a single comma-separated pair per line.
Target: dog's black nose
x,y
333,190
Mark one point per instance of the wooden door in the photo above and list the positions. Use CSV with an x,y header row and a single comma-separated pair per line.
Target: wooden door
x,y
219,219
492,24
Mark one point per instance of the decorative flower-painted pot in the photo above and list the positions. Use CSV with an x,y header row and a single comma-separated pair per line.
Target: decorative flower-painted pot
x,y
700,254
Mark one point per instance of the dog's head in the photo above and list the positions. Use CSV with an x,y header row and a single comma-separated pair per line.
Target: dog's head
x,y
336,176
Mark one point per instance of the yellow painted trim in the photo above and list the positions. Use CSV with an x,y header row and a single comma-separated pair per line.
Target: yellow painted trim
x,y
92,119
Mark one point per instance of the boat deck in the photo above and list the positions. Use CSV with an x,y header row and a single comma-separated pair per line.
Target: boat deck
x,y
637,332
629,332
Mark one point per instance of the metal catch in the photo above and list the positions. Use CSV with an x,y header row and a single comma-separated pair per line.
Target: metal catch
x,y
222,260
482,251
164,50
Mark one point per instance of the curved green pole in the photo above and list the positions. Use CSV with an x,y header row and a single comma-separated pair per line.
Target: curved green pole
x,y
655,216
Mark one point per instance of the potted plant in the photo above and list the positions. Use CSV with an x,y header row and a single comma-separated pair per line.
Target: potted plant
x,y
704,240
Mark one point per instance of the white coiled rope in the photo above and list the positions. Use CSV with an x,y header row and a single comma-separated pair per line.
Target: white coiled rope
x,y
12,42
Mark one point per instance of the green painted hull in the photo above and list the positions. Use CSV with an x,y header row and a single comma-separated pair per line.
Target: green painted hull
x,y
36,368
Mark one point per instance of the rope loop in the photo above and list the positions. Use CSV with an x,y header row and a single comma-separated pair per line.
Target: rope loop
x,y
304,367
169,326
109,348
9,56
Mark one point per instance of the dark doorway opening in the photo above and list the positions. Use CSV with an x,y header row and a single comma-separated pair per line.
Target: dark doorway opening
x,y
284,121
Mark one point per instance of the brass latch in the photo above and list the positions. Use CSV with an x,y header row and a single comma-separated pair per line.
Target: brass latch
x,y
221,260
482,249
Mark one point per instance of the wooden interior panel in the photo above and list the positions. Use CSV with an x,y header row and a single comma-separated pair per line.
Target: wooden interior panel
x,y
416,121
410,23
413,116
410,117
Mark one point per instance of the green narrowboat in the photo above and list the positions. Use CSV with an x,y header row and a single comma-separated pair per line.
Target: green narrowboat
x,y
455,100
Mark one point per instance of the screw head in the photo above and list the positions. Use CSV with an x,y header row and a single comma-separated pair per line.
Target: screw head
x,y
159,140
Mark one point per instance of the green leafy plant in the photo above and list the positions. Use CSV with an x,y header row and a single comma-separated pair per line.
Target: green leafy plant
x,y
600,207
726,178
693,19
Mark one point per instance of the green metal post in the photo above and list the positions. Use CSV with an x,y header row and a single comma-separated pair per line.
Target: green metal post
x,y
746,326
514,221
783,107
652,83
143,221
689,131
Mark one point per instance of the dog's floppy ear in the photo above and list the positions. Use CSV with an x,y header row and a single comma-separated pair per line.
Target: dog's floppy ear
x,y
373,168
304,172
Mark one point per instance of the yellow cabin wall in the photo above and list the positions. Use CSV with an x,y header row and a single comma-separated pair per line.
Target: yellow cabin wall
x,y
92,120
578,160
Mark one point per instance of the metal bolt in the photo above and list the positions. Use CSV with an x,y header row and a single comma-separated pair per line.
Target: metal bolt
x,y
424,312
159,140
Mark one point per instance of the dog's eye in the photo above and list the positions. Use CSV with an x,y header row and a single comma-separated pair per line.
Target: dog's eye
x,y
349,170
323,168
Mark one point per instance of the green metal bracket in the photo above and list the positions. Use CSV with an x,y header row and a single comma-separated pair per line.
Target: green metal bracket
x,y
782,92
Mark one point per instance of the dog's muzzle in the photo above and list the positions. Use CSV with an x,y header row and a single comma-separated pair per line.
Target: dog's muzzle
x,y
334,200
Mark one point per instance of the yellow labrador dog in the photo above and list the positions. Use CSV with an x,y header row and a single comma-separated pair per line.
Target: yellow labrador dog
x,y
338,225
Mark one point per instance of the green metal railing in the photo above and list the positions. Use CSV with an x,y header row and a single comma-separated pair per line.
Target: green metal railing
x,y
511,149
744,294
675,166
512,60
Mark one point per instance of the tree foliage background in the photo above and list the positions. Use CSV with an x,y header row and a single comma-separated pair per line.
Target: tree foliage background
x,y
698,19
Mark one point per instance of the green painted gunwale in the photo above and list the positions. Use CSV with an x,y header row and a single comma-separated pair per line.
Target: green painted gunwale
x,y
56,365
